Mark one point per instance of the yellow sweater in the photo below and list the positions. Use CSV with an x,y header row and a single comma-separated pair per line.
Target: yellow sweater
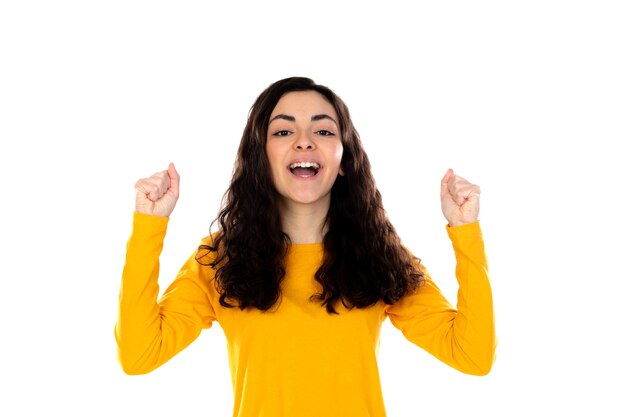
x,y
298,360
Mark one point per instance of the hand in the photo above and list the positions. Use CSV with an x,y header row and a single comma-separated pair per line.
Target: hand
x,y
157,194
459,199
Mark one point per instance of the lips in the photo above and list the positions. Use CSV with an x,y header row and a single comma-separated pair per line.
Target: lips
x,y
304,169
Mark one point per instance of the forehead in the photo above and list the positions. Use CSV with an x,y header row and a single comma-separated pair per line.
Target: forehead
x,y
304,103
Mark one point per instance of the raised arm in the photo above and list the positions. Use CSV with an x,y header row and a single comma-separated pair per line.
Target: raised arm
x,y
463,337
149,332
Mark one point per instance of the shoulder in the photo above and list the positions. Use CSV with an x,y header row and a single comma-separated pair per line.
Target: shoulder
x,y
206,252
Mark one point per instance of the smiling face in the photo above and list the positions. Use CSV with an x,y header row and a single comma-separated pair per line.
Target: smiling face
x,y
304,148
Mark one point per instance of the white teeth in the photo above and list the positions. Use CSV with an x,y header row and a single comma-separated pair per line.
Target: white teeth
x,y
313,165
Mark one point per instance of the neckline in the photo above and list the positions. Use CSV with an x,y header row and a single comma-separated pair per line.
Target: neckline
x,y
295,248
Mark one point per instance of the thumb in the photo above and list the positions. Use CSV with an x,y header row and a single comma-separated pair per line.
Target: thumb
x,y
444,182
174,178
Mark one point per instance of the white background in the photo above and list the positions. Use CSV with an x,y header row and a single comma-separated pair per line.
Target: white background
x,y
527,99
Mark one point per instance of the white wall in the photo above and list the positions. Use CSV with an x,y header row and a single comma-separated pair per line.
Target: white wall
x,y
526,99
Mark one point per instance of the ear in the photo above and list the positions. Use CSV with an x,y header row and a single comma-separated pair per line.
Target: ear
x,y
341,171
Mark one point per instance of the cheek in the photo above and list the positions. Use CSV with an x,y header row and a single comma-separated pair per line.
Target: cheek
x,y
272,155
339,157
338,154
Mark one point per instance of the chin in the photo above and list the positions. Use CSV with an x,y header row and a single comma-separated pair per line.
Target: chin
x,y
307,200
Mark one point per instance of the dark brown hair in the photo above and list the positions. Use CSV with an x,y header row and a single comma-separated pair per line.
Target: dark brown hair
x,y
364,261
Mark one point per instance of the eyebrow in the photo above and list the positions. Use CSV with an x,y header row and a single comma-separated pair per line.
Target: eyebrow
x,y
314,118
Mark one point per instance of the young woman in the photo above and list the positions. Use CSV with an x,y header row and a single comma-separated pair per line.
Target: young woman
x,y
303,270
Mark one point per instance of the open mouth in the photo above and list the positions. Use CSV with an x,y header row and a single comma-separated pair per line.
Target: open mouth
x,y
304,169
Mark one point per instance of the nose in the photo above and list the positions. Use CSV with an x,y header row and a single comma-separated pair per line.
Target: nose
x,y
304,142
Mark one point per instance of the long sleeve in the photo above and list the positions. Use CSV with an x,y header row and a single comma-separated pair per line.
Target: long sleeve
x,y
464,337
150,332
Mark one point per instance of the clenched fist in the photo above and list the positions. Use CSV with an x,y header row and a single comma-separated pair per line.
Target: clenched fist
x,y
157,194
459,199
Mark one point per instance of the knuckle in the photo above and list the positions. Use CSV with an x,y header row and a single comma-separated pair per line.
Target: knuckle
x,y
142,184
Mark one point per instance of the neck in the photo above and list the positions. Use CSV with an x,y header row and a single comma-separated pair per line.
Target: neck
x,y
304,223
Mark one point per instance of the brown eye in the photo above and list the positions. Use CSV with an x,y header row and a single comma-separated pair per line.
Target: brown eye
x,y
282,133
324,132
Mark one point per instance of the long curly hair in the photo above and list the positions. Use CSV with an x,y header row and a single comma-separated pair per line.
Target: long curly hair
x,y
364,260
